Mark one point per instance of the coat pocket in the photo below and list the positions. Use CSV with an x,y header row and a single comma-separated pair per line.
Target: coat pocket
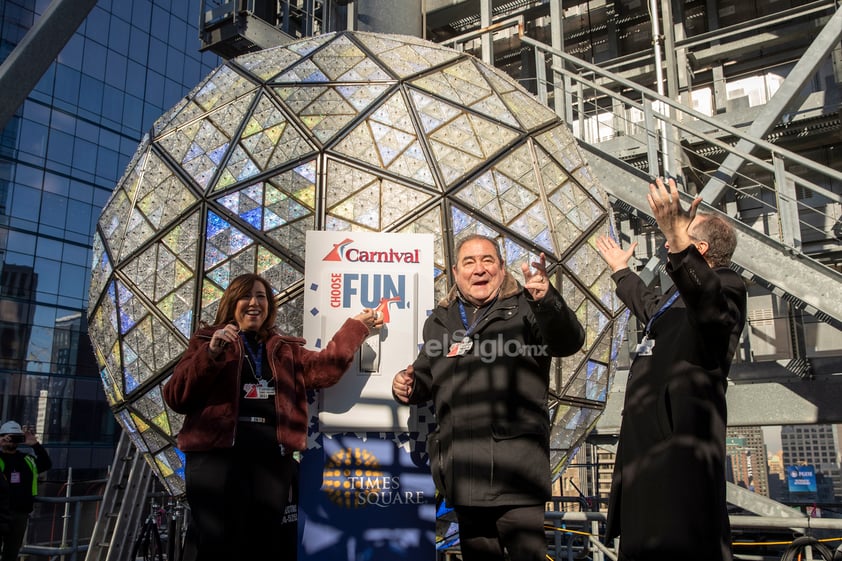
x,y
663,410
437,462
506,431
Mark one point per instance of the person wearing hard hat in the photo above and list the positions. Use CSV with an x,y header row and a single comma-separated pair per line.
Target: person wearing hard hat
x,y
21,472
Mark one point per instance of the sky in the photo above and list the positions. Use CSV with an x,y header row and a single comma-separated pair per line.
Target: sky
x,y
772,437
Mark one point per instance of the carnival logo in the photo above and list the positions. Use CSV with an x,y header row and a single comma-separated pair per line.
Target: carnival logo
x,y
353,478
343,251
338,250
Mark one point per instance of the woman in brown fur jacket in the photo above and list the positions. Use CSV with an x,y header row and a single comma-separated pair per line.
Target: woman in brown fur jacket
x,y
242,387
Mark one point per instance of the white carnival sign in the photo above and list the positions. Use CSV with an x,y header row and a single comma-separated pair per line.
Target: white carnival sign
x,y
344,273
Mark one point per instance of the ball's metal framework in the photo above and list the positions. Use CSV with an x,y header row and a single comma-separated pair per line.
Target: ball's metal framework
x,y
345,131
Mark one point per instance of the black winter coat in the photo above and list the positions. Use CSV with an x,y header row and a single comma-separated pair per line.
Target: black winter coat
x,y
5,505
668,489
23,486
491,443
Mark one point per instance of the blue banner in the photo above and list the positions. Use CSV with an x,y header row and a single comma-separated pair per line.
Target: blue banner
x,y
365,498
801,479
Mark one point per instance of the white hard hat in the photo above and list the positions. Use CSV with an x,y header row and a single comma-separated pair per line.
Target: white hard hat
x,y
11,427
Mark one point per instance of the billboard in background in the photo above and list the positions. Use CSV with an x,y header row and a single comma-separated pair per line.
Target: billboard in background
x,y
801,479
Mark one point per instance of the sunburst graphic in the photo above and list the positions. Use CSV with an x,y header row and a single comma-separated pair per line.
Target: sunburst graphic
x,y
350,475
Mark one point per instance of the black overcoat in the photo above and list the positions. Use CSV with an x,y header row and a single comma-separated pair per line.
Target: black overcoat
x,y
491,443
668,488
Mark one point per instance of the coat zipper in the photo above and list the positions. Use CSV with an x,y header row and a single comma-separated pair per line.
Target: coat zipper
x,y
277,394
239,388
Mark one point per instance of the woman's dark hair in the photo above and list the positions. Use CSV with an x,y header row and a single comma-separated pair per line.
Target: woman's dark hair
x,y
241,287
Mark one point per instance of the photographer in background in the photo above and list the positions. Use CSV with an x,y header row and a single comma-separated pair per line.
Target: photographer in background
x,y
21,471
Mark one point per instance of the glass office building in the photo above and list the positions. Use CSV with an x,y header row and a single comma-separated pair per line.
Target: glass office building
x,y
60,157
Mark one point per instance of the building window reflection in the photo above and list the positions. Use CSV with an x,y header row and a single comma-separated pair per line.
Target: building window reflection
x,y
60,157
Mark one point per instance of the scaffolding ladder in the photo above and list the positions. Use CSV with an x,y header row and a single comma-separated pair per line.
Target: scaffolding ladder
x,y
122,512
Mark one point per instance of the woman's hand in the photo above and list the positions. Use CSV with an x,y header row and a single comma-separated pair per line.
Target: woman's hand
x,y
221,338
371,319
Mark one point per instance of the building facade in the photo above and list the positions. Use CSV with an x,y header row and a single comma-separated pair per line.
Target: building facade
x,y
813,445
60,156
746,451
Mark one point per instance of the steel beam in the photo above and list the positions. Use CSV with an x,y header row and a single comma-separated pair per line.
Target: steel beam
x,y
803,70
758,504
487,39
805,283
791,402
26,64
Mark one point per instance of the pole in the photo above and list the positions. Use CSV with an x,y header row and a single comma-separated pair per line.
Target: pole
x,y
659,78
67,493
